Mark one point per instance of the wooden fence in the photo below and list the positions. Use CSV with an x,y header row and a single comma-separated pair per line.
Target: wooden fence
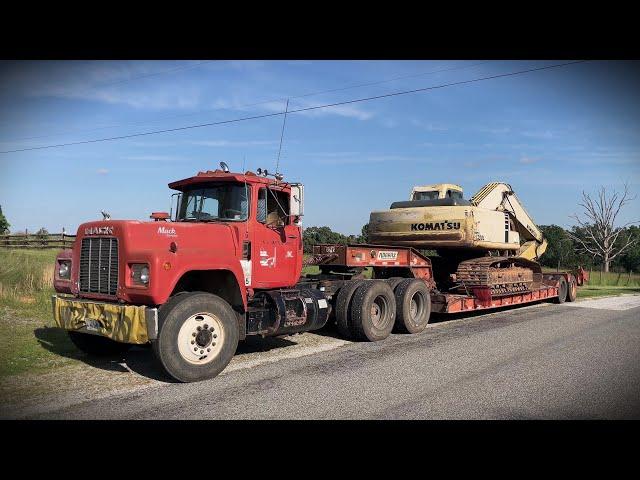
x,y
33,240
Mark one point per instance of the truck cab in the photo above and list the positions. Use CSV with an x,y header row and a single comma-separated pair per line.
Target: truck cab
x,y
222,260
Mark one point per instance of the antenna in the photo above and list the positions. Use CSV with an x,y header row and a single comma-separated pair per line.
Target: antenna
x,y
246,194
284,121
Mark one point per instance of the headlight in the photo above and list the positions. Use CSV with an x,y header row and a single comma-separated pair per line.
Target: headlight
x,y
140,273
64,269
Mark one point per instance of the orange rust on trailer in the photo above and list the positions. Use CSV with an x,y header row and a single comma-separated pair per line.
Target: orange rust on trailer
x,y
450,303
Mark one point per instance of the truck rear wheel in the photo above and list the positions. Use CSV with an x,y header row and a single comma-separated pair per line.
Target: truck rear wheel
x,y
373,311
198,336
413,306
96,345
572,291
562,291
343,302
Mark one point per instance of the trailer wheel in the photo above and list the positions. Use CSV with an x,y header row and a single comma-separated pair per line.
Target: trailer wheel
x,y
413,306
343,302
393,282
198,336
562,291
96,345
373,311
572,291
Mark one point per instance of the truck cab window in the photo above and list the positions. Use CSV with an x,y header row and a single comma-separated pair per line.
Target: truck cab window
x,y
273,207
224,202
454,194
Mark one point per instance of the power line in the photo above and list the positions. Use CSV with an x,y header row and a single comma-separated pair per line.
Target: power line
x,y
306,109
431,72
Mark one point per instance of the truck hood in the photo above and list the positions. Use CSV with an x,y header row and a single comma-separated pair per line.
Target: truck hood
x,y
138,236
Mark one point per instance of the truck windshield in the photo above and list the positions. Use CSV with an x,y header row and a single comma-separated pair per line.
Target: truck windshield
x,y
224,202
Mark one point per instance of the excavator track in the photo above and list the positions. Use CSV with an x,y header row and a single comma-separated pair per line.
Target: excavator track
x,y
505,275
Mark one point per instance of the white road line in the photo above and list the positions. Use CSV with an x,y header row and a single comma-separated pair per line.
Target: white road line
x,y
623,302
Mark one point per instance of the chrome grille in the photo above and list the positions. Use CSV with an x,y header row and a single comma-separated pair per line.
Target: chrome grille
x,y
99,265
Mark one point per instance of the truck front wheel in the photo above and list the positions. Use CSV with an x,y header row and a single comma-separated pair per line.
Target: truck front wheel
x,y
198,336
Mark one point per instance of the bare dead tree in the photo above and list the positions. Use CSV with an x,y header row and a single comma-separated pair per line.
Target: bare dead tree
x,y
598,233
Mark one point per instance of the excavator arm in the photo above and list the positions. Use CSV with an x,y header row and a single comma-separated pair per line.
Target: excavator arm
x,y
501,197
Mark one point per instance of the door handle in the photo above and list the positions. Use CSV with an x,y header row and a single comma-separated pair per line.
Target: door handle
x,y
291,236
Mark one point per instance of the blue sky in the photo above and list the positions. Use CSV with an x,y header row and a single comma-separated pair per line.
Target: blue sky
x,y
550,134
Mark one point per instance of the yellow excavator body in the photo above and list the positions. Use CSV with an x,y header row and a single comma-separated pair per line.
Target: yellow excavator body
x,y
438,217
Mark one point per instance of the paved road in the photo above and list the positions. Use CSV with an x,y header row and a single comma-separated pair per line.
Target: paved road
x,y
571,361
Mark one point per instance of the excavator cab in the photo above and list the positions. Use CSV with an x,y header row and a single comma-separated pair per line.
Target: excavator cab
x,y
438,191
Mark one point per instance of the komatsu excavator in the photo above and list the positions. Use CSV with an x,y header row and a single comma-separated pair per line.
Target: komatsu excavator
x,y
489,240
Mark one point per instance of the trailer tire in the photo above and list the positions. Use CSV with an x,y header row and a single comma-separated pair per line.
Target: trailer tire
x,y
413,306
572,290
562,291
198,336
373,311
96,345
393,282
342,310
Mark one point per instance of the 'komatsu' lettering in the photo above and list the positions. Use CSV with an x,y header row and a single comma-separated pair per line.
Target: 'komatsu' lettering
x,y
446,225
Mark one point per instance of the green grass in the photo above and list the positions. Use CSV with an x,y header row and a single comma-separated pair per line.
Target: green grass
x,y
606,279
28,341
591,291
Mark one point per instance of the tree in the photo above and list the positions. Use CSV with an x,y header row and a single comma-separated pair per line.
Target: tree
x,y
364,234
42,235
315,235
631,258
599,235
560,249
4,224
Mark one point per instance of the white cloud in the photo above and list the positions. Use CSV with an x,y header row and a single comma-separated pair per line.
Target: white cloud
x,y
528,160
102,171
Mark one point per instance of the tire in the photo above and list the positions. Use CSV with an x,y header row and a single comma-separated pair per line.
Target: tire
x,y
342,311
413,306
198,336
96,345
393,282
572,290
562,291
372,296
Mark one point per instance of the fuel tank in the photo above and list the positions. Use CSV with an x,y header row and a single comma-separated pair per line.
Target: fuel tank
x,y
283,312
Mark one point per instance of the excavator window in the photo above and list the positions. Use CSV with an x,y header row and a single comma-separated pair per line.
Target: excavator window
x,y
425,195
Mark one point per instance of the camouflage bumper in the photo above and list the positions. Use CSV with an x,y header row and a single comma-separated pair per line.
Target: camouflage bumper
x,y
122,323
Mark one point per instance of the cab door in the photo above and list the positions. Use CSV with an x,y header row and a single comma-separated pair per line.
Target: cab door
x,y
277,246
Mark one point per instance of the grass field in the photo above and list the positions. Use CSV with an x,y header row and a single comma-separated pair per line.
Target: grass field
x,y
26,325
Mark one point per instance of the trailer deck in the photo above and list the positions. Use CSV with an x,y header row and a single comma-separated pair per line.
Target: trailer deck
x,y
388,262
